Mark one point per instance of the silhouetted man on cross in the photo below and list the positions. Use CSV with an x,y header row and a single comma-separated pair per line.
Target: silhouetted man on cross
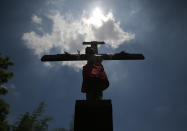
x,y
94,77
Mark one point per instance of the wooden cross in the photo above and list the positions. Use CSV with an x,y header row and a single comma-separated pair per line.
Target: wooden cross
x,y
88,56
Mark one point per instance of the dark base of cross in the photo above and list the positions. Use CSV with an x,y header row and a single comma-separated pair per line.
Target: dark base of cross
x,y
93,115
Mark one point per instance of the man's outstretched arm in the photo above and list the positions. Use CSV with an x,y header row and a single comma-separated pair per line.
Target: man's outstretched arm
x,y
122,56
64,57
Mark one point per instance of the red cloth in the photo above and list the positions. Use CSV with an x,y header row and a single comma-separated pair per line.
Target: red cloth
x,y
94,72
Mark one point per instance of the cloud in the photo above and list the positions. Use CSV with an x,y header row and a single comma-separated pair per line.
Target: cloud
x,y
36,19
67,34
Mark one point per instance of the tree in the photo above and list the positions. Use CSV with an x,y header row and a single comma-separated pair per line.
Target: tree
x,y
34,121
4,77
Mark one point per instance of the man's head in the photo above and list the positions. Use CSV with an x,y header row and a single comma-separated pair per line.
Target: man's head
x,y
90,50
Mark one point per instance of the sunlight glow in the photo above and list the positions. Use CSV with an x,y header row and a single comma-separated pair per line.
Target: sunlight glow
x,y
97,17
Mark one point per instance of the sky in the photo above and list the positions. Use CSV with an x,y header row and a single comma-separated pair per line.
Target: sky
x,y
147,95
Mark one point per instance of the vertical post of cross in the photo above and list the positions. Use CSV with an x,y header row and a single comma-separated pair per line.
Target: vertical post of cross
x,y
93,115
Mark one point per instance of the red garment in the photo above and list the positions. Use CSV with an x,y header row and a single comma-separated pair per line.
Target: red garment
x,y
94,72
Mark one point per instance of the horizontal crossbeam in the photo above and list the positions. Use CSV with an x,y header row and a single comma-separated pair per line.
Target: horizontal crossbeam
x,y
83,57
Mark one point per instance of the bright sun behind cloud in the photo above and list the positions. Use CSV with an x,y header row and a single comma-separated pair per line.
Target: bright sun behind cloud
x,y
97,17
67,34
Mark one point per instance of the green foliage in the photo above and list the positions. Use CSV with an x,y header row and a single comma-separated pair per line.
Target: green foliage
x,y
3,91
4,126
4,77
24,124
5,62
4,111
34,121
